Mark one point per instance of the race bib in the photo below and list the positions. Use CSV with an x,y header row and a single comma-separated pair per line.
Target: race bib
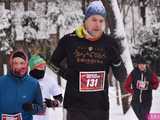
x,y
142,85
91,81
17,116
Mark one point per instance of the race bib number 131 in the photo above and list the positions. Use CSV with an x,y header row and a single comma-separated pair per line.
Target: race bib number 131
x,y
91,81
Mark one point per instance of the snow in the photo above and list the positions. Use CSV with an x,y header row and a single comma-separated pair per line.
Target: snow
x,y
115,110
58,13
4,16
120,33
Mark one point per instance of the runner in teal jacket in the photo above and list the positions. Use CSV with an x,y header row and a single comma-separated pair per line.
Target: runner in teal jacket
x,y
20,94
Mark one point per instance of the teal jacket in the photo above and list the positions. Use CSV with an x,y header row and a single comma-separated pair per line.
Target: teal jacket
x,y
14,92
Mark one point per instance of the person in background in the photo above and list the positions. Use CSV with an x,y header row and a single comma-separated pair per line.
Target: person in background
x,y
51,92
20,94
89,53
140,84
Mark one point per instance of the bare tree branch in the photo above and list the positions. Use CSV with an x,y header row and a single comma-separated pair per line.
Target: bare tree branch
x,y
110,15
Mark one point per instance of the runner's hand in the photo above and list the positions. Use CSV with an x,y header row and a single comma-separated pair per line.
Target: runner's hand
x,y
28,106
48,102
51,103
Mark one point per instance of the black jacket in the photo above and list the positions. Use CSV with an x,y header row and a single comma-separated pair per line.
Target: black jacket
x,y
140,84
87,56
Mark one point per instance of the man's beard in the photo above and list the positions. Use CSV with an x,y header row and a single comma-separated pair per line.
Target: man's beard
x,y
19,72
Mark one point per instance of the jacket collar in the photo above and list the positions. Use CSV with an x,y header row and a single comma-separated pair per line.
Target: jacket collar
x,y
16,78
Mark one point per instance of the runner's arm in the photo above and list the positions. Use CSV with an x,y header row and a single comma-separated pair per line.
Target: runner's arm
x,y
127,84
38,106
154,81
57,58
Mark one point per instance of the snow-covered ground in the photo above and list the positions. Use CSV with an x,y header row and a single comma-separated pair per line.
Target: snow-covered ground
x,y
115,110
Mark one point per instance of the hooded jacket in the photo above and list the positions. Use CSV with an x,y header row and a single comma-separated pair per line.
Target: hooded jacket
x,y
15,91
141,93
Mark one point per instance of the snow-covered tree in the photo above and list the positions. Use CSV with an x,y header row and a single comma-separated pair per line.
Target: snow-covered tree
x,y
7,30
30,26
148,44
117,29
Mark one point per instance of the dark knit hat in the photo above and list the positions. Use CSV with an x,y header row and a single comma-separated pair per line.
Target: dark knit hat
x,y
141,60
95,8
22,71
19,54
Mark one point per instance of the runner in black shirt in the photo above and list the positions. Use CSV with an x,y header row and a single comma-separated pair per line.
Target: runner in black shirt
x,y
89,54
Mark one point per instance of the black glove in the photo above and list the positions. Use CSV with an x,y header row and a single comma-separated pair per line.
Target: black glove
x,y
28,106
56,103
51,103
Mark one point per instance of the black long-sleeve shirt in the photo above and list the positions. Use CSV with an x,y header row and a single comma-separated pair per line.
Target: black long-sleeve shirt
x,y
88,64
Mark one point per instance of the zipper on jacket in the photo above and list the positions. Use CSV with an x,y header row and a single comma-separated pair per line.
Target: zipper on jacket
x,y
140,96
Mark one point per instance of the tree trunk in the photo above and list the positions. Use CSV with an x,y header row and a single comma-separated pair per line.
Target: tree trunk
x,y
46,7
143,11
7,4
117,93
110,77
133,29
116,26
25,3
83,6
110,19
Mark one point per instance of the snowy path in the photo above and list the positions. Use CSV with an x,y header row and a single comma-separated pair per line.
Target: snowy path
x,y
115,110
